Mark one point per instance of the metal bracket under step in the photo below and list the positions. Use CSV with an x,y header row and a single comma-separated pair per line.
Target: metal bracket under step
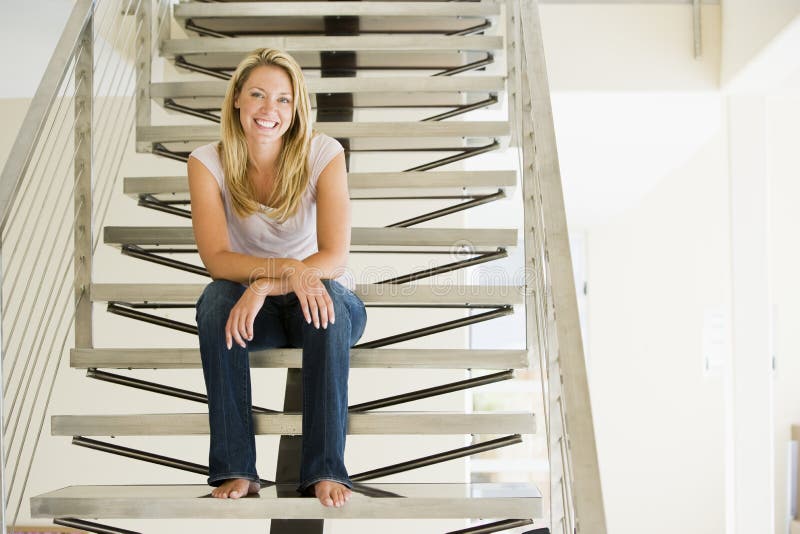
x,y
135,251
168,206
433,391
483,257
441,327
462,153
488,60
224,73
210,115
460,110
141,253
221,74
437,458
203,113
394,400
191,25
88,526
478,28
131,311
158,388
494,527
476,201
149,457
392,469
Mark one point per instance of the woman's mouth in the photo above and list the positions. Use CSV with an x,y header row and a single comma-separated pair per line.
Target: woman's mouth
x,y
266,125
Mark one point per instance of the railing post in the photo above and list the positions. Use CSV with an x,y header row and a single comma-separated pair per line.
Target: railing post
x,y
84,89
796,437
143,65
2,407
512,64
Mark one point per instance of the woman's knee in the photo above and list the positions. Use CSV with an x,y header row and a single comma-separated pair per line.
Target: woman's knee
x,y
338,294
218,298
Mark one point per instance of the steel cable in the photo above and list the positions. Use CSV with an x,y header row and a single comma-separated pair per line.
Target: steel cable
x,y
16,317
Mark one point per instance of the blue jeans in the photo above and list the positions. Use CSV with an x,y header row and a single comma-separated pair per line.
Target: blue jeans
x,y
326,364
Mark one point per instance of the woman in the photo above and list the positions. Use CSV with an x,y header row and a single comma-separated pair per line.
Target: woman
x,y
271,216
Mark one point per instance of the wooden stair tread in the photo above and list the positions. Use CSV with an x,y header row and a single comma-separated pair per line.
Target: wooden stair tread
x,y
389,294
189,358
360,184
383,423
428,129
439,500
418,237
359,84
186,10
359,43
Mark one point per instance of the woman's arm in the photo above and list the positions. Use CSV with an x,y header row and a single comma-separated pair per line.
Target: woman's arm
x,y
211,234
333,221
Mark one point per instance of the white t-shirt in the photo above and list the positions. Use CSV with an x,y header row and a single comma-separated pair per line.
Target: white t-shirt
x,y
262,236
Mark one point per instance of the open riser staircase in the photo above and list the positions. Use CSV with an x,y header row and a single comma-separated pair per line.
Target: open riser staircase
x,y
405,88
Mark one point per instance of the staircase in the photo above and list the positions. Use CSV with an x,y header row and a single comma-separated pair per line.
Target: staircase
x,y
401,85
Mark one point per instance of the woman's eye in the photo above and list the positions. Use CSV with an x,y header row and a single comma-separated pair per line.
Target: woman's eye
x,y
284,100
256,95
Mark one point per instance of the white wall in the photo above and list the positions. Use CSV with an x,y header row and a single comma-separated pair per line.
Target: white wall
x,y
783,114
653,271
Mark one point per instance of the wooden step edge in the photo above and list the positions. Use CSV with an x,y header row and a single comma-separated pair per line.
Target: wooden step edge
x,y
388,294
197,10
162,185
363,84
360,236
350,130
390,501
189,358
348,43
290,424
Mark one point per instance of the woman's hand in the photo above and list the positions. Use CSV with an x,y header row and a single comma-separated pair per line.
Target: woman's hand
x,y
240,321
314,300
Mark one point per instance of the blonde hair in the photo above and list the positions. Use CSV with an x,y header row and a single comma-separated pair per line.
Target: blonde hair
x,y
292,174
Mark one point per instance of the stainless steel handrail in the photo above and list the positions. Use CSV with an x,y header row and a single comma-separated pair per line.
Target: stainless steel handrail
x,y
22,151
570,427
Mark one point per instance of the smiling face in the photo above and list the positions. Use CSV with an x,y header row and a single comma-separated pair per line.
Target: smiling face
x,y
265,104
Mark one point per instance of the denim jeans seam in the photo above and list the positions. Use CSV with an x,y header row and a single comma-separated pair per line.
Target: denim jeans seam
x,y
325,406
226,442
247,401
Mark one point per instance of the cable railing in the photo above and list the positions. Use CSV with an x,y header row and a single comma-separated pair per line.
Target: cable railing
x,y
553,326
55,190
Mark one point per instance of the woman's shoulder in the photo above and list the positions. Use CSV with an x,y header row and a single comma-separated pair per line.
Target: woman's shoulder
x,y
211,149
323,149
324,143
208,155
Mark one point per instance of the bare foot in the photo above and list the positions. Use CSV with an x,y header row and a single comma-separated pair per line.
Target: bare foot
x,y
235,488
332,493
